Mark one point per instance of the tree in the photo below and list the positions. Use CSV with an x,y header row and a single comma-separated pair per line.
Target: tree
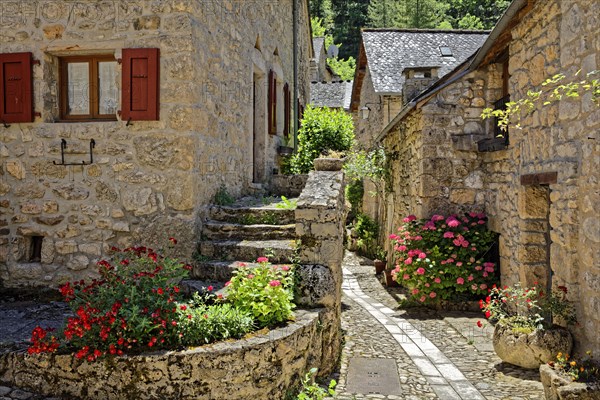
x,y
349,16
422,14
321,9
384,13
343,68
486,11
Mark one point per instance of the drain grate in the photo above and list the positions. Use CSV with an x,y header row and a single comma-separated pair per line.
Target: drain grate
x,y
373,376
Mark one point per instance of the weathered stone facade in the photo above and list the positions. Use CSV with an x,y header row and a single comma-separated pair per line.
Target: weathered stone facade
x,y
261,367
150,179
549,229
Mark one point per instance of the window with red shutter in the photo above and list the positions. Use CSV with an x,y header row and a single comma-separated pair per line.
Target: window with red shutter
x,y
286,110
272,103
16,87
140,90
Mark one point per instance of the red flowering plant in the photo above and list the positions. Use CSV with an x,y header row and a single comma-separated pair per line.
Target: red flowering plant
x,y
265,291
132,306
444,257
526,309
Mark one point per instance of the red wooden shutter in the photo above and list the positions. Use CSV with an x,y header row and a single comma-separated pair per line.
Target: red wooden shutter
x,y
16,87
141,76
286,110
272,102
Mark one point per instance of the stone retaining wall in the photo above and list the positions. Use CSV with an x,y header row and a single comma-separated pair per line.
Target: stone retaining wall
x,y
260,367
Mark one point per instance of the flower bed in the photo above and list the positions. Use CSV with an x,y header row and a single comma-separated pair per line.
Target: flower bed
x,y
443,258
263,366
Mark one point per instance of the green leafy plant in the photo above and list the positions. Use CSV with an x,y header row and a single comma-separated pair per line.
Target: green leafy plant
x,y
265,291
323,129
585,369
354,192
440,257
222,197
525,309
367,231
200,323
553,90
287,204
310,390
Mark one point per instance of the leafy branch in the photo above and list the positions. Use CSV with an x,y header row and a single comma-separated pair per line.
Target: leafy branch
x,y
553,90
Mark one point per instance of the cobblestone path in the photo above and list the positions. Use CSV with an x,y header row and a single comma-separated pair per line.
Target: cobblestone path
x,y
438,355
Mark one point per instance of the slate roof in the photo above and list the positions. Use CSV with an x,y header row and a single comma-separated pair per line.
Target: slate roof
x,y
390,51
331,94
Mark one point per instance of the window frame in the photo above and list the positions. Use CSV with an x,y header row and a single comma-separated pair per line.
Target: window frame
x,y
94,88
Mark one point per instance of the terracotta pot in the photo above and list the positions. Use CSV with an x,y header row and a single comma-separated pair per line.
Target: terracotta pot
x,y
379,266
558,387
389,281
530,350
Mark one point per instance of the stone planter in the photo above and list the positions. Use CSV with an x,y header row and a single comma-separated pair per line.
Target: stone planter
x,y
533,349
329,164
557,387
379,266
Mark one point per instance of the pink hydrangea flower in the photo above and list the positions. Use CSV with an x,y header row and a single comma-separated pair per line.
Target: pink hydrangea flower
x,y
274,283
427,284
483,286
408,261
262,260
460,280
422,299
448,235
437,280
406,277
422,255
437,217
415,291
478,268
432,295
473,287
409,218
420,271
402,248
459,264
470,278
453,223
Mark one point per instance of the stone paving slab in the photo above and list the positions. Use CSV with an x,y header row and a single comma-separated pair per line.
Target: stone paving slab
x,y
444,352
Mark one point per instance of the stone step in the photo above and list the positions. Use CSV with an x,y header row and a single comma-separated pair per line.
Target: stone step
x,y
217,230
278,251
218,270
268,215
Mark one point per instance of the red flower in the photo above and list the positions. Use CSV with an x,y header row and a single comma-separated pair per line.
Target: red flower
x,y
479,324
160,291
488,314
210,288
173,240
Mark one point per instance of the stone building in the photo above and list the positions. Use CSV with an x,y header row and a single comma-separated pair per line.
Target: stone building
x,y
326,88
538,184
121,119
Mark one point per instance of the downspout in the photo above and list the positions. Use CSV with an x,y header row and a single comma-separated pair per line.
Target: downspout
x,y
295,61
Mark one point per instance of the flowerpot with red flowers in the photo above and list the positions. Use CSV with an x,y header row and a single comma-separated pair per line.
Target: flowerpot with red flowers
x,y
571,378
525,334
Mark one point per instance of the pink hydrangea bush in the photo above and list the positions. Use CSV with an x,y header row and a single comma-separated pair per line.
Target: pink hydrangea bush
x,y
443,257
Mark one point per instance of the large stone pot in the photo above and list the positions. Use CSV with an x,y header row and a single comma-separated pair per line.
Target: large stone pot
x,y
558,387
533,349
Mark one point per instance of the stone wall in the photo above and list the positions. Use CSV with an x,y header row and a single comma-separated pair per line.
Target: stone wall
x,y
263,366
320,225
149,179
553,225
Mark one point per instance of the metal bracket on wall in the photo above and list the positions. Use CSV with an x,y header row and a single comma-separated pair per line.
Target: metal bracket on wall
x,y
63,146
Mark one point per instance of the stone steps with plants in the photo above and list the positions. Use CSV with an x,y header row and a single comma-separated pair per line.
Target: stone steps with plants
x,y
218,230
240,233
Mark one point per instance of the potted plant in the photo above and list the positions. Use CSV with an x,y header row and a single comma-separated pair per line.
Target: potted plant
x,y
287,146
570,378
379,261
524,334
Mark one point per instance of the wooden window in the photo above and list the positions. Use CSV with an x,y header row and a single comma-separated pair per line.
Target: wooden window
x,y
272,103
88,88
141,80
16,88
287,109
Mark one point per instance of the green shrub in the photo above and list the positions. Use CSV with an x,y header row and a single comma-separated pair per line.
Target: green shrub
x,y
440,257
264,291
354,194
323,129
367,231
200,323
222,197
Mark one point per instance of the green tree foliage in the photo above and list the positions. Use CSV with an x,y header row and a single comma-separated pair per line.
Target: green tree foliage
x,y
467,13
321,9
384,13
349,16
323,129
343,68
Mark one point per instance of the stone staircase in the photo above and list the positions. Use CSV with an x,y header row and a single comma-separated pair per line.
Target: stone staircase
x,y
241,233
